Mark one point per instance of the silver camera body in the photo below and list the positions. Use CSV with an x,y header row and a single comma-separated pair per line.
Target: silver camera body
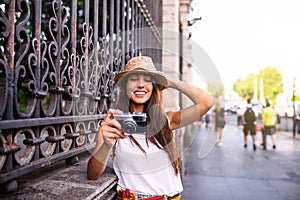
x,y
132,122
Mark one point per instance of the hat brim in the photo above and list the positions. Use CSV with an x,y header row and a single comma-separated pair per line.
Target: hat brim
x,y
159,78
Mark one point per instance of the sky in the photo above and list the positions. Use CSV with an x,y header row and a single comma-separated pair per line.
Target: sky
x,y
242,37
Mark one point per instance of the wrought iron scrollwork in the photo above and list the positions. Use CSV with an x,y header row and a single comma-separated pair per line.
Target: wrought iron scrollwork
x,y
104,59
65,77
81,103
3,86
4,24
25,64
51,56
26,153
48,147
4,33
58,61
92,74
2,150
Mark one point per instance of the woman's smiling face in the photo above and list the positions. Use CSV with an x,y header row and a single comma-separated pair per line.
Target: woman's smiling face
x,y
139,89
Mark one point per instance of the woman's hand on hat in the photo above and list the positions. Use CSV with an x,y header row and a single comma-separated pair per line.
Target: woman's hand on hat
x,y
110,128
172,82
168,77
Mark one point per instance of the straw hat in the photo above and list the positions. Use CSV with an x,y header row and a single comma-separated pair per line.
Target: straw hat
x,y
142,64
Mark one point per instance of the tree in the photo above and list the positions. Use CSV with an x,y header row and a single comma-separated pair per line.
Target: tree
x,y
245,88
272,84
215,89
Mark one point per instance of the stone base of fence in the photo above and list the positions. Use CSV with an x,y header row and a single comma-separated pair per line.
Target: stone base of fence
x,y
62,181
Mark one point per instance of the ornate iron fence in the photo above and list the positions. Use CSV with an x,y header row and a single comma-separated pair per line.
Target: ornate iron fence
x,y
58,59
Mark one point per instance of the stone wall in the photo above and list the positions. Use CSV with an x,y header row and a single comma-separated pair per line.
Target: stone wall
x,y
175,56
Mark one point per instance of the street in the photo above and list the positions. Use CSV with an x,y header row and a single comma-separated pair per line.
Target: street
x,y
232,172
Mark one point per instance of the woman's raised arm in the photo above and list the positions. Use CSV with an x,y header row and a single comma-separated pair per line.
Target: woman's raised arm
x,y
201,99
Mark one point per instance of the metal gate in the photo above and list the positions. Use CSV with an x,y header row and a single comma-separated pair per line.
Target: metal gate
x,y
58,59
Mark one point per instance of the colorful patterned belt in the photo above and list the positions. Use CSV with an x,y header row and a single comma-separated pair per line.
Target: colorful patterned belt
x,y
128,195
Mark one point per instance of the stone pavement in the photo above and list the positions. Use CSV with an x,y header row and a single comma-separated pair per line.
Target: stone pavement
x,y
64,182
232,172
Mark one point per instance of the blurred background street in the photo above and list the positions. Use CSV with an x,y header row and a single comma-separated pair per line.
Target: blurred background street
x,y
232,172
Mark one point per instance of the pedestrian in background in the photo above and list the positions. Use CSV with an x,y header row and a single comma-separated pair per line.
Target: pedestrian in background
x,y
268,123
199,122
298,119
278,120
207,119
220,121
240,112
249,124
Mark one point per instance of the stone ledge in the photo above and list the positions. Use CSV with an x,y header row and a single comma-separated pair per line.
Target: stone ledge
x,y
65,182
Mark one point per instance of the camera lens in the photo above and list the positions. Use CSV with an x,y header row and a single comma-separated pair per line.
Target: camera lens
x,y
129,126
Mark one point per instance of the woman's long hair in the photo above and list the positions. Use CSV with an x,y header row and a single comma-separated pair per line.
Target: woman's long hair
x,y
158,129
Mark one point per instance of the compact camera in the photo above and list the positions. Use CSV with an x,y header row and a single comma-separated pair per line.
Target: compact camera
x,y
132,123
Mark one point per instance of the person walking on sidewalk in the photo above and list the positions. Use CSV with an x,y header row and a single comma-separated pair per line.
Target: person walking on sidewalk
x,y
249,124
268,122
298,120
240,113
207,119
220,121
147,164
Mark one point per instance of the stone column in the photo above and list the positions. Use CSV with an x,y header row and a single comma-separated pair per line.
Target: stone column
x,y
175,55
170,51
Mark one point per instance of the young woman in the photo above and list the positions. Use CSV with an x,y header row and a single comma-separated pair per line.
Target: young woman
x,y
220,121
147,165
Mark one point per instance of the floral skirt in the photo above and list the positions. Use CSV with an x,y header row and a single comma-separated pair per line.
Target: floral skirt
x,y
128,195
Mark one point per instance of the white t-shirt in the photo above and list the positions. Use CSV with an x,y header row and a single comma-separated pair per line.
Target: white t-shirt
x,y
150,174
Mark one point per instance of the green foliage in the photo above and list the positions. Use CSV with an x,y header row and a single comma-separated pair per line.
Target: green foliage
x,y
272,82
22,101
245,88
215,89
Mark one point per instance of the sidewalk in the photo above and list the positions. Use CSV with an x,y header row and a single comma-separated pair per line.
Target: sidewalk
x,y
232,172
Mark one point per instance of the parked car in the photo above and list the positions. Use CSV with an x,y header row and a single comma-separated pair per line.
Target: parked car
x,y
232,109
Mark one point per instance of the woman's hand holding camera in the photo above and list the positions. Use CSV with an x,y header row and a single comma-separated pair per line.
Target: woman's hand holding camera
x,y
110,128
